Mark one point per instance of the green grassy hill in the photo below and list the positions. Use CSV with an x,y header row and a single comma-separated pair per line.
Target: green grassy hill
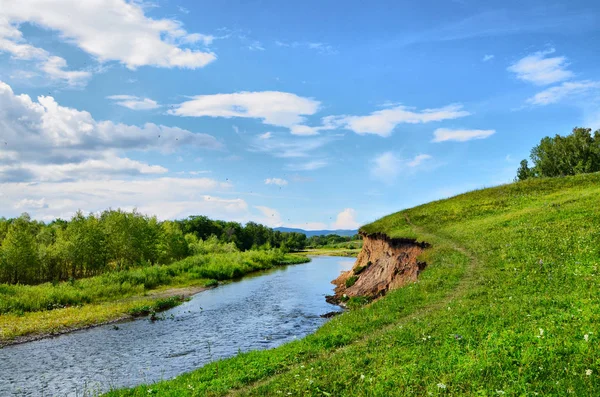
x,y
508,305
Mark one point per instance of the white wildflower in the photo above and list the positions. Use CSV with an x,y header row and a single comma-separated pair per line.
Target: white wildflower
x,y
362,377
586,337
588,372
541,332
441,386
501,392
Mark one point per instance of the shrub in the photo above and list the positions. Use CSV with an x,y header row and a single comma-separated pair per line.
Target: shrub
x,y
351,281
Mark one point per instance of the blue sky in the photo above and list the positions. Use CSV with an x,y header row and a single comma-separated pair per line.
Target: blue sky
x,y
307,114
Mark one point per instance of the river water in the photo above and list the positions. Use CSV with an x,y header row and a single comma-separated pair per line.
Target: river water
x,y
261,311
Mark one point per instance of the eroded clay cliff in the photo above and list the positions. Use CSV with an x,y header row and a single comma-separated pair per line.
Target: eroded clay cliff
x,y
383,264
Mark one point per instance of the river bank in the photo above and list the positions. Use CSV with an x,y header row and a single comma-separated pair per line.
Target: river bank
x,y
35,312
257,312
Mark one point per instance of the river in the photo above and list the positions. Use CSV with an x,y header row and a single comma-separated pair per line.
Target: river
x,y
260,311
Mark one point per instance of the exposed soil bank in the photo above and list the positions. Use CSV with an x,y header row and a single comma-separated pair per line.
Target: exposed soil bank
x,y
383,264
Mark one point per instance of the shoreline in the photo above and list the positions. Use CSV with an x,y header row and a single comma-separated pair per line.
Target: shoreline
x,y
183,292
120,316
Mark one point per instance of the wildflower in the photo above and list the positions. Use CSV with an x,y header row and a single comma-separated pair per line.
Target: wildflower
x,y
586,337
541,332
588,372
362,377
441,386
501,392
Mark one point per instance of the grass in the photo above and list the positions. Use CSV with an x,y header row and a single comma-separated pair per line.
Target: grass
x,y
52,308
508,305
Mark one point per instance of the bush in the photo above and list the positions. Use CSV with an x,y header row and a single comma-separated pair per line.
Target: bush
x,y
351,281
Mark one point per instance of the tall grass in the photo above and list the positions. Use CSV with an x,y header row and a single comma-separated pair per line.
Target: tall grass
x,y
121,284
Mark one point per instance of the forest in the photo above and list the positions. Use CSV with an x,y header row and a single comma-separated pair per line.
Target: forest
x,y
33,252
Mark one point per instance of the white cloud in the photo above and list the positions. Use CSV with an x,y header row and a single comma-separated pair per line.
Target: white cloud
x,y
320,47
445,134
276,181
540,70
288,147
12,42
307,166
346,220
277,108
418,160
27,204
47,141
564,90
487,57
386,167
167,198
134,102
266,135
383,122
110,30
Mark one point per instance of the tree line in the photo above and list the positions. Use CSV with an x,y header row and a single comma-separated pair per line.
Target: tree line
x,y
576,153
33,252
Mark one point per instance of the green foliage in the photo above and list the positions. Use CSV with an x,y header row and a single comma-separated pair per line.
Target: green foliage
x,y
356,302
33,252
358,270
351,281
577,153
508,305
124,283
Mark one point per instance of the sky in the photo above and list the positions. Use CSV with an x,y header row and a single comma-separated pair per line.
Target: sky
x,y
310,114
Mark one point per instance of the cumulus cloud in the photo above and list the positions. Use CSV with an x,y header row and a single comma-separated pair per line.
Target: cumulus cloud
x,y
276,181
281,109
459,135
42,139
383,122
110,30
487,57
134,102
564,90
346,220
539,69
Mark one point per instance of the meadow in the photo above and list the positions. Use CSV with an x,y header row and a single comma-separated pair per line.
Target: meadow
x,y
56,307
508,305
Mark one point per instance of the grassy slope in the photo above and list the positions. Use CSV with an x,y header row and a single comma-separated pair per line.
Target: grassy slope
x,y
47,309
503,308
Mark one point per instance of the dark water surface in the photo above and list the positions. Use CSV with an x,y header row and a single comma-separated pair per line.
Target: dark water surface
x,y
258,312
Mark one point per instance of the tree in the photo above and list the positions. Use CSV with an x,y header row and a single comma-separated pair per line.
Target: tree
x,y
577,153
19,262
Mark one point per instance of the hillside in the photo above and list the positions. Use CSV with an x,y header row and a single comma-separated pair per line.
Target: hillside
x,y
508,304
310,233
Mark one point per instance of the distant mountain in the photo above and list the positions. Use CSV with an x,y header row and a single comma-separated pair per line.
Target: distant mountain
x,y
310,233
